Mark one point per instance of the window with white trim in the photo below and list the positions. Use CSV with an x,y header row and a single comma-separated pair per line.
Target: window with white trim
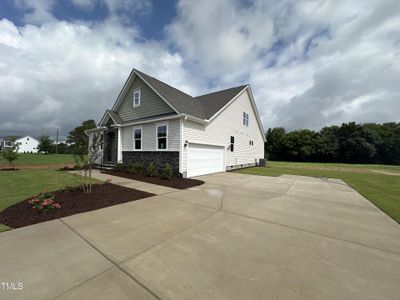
x,y
245,119
137,139
162,136
136,98
232,144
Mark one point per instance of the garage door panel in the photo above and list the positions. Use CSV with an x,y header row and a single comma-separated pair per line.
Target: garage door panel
x,y
205,159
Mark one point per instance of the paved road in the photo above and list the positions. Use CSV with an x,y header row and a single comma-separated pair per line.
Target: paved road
x,y
235,237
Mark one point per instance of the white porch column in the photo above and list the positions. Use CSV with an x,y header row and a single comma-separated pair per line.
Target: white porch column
x,y
119,149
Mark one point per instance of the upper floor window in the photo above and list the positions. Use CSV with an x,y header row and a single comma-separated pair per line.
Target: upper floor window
x,y
245,119
162,136
137,138
136,98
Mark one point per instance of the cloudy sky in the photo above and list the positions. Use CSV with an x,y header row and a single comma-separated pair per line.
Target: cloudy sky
x,y
310,63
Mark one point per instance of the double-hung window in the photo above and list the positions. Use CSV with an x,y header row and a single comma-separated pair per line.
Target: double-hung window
x,y
162,136
232,145
245,119
136,98
137,138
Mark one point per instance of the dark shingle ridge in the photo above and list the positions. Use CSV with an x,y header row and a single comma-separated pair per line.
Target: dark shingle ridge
x,y
222,91
203,106
213,102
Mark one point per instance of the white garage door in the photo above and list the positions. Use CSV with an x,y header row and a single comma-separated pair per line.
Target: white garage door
x,y
204,159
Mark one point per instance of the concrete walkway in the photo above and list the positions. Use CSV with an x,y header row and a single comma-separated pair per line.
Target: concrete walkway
x,y
235,237
139,185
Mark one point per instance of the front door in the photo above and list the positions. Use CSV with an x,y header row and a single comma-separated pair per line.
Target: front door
x,y
110,149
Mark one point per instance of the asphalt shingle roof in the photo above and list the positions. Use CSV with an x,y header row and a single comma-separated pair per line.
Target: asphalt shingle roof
x,y
213,102
203,107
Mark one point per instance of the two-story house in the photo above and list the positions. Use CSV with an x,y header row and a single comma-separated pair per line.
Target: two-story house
x,y
153,122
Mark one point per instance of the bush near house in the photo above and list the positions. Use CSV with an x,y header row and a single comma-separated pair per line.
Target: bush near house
x,y
135,168
152,170
166,172
151,174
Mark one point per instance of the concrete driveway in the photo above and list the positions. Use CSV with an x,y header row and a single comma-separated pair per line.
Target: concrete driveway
x,y
235,237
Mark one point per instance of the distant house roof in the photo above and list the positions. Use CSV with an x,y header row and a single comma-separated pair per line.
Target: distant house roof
x,y
10,138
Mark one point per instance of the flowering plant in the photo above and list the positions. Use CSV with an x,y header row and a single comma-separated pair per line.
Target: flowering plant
x,y
44,202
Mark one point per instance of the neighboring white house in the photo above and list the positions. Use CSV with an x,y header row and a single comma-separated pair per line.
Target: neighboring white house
x,y
26,144
154,122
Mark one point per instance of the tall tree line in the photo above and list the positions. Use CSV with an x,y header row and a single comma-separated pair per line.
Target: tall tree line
x,y
348,143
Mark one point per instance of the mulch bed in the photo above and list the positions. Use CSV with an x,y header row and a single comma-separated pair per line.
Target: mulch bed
x,y
174,182
34,167
67,168
72,201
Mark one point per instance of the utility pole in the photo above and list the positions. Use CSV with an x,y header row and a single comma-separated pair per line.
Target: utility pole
x,y
57,142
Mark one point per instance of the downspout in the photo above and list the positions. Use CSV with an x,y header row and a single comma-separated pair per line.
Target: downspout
x,y
119,148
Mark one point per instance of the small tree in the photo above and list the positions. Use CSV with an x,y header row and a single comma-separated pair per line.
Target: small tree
x,y
84,163
11,153
45,144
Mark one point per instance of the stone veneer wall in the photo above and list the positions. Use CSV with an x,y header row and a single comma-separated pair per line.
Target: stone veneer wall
x,y
159,158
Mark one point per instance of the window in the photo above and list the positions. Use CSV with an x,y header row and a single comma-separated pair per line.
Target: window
x,y
136,98
232,147
137,138
162,136
245,119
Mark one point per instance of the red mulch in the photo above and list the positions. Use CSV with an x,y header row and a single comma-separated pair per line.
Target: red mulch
x,y
174,182
72,201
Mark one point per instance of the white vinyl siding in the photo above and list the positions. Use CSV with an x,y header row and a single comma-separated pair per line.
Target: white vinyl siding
x,y
219,131
149,134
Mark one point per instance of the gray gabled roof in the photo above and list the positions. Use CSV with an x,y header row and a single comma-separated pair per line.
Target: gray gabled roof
x,y
203,107
181,101
214,102
115,116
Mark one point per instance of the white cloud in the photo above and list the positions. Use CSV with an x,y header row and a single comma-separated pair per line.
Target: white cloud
x,y
309,62
59,74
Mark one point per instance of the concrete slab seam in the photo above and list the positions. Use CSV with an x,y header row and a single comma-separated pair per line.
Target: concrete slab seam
x,y
112,262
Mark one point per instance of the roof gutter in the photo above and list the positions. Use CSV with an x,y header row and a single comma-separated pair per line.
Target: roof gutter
x,y
93,130
178,116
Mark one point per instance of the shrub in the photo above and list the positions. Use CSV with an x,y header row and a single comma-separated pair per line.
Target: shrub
x,y
120,167
68,189
152,170
44,202
166,172
136,168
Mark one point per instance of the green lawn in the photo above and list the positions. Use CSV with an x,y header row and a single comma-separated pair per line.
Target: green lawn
x,y
40,159
381,189
16,186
